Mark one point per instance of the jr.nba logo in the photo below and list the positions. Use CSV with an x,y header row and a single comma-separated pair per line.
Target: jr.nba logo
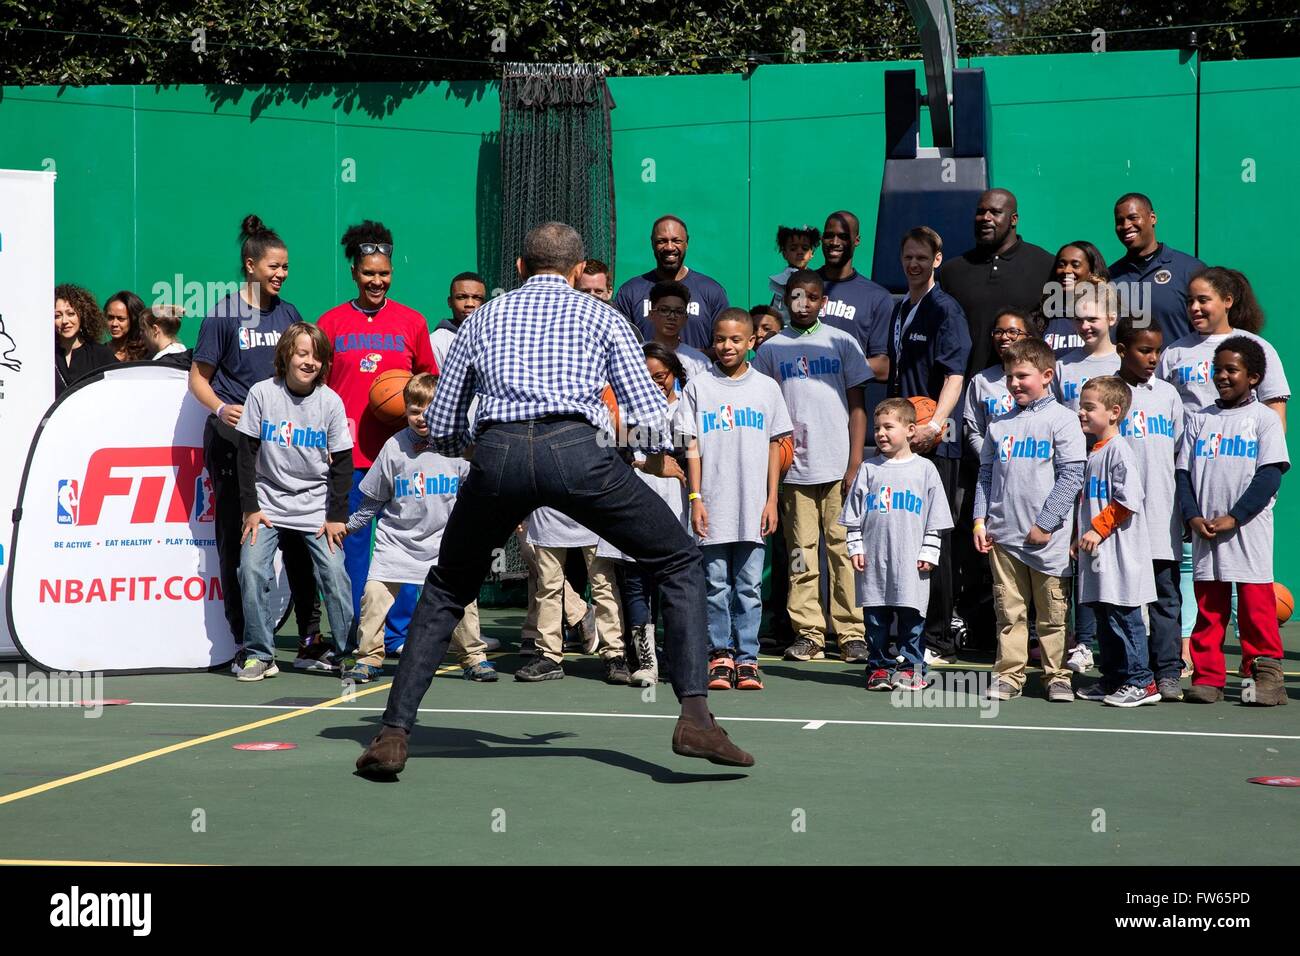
x,y
205,505
284,434
802,365
1212,444
67,499
1138,420
727,417
417,484
1004,448
245,343
884,499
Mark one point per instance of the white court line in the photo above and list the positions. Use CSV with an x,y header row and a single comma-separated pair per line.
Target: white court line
x,y
757,720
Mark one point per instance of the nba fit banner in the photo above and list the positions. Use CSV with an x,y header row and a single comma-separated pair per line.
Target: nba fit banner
x,y
26,338
114,561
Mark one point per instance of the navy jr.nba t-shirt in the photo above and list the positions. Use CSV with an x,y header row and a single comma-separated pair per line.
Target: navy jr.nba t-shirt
x,y
239,342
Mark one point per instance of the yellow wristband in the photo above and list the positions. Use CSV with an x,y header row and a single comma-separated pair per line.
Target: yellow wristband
x,y
692,496
979,523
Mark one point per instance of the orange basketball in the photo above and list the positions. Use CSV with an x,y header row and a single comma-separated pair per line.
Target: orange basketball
x,y
924,408
611,403
1285,602
786,444
386,401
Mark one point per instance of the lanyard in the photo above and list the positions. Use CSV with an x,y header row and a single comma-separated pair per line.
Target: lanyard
x,y
901,325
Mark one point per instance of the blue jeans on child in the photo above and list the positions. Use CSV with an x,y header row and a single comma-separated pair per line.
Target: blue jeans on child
x,y
734,575
1164,613
356,558
1123,639
255,575
911,638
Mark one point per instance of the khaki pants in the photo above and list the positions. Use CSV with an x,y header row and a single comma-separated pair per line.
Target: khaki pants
x,y
1014,585
575,608
550,601
808,512
376,601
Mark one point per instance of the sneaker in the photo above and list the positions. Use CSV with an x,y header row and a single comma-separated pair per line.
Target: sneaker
x,y
1080,660
855,652
1095,693
483,672
310,650
879,679
805,649
616,671
959,631
1060,692
589,635
1170,689
1130,695
1002,690
722,673
540,667
646,673
932,658
748,676
253,669
362,673
1203,694
909,680
397,649
326,663
490,643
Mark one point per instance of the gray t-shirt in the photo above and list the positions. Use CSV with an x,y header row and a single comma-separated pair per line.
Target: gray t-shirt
x,y
694,362
1119,572
1222,448
419,488
1188,365
1153,429
892,508
987,399
1026,449
815,371
299,433
548,528
1074,368
735,421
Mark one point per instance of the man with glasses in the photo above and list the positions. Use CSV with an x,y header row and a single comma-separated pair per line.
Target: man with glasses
x,y
668,242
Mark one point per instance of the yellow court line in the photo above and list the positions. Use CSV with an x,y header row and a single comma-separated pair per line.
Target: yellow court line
x,y
173,748
90,863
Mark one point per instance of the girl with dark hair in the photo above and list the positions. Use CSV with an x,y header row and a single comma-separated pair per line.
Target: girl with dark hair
x,y
78,328
372,334
123,314
236,350
1076,261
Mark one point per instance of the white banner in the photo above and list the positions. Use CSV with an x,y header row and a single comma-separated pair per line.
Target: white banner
x,y
114,560
26,339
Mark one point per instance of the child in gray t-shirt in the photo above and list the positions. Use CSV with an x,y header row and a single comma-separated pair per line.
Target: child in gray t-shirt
x,y
412,489
896,507
1116,577
987,398
1230,466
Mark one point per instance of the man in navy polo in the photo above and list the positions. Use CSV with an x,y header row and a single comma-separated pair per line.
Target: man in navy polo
x,y
668,242
929,348
1152,277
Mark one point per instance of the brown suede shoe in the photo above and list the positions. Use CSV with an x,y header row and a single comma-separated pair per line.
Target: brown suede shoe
x,y
1270,682
1203,694
713,745
386,753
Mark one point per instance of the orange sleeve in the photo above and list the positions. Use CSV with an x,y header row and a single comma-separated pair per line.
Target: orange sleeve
x,y
1111,517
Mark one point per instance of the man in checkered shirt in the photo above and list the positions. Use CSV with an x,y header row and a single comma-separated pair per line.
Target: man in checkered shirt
x,y
537,359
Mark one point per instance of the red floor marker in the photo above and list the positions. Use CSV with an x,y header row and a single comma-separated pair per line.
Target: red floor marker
x,y
107,702
1276,781
266,745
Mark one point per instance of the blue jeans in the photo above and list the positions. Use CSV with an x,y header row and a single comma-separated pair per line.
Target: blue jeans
x,y
518,468
639,594
256,572
356,558
911,637
734,572
1123,639
1085,618
1164,613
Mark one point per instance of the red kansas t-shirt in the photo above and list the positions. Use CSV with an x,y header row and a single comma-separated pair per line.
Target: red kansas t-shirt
x,y
364,346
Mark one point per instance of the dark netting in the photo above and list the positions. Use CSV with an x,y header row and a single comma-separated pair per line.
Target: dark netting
x,y
556,157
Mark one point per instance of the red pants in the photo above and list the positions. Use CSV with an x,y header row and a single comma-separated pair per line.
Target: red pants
x,y
1256,627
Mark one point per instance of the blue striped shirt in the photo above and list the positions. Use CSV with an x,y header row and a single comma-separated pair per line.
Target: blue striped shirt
x,y
543,349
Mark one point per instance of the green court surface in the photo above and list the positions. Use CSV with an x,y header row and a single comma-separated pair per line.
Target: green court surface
x,y
575,771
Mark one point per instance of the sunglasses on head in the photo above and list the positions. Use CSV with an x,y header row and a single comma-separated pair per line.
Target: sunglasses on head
x,y
370,248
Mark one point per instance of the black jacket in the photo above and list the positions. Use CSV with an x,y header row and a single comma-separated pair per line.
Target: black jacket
x,y
90,357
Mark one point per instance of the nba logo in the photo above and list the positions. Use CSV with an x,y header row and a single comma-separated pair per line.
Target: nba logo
x,y
1139,420
284,434
245,343
67,501
417,483
1004,405
802,365
1203,371
1212,444
726,414
884,499
1004,448
204,502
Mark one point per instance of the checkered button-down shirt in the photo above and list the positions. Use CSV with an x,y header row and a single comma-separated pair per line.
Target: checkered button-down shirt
x,y
543,349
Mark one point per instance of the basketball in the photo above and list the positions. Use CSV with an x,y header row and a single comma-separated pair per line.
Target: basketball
x,y
924,408
386,401
611,403
1285,602
786,444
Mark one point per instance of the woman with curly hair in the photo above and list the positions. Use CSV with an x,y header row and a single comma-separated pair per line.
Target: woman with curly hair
x,y
372,334
78,329
124,315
